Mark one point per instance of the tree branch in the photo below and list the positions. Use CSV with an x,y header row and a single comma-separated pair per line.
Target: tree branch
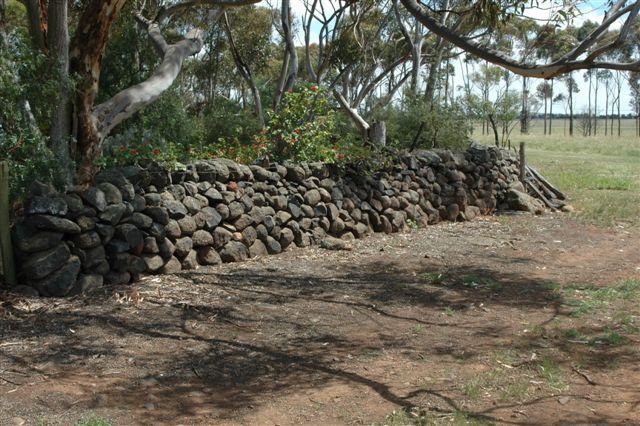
x,y
561,66
126,103
167,13
245,72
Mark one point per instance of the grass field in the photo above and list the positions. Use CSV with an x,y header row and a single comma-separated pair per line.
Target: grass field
x,y
601,175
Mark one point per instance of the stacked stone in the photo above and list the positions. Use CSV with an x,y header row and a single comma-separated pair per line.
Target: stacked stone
x,y
147,220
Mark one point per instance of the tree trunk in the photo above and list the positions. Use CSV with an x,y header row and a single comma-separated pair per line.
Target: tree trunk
x,y
595,107
589,110
87,50
246,74
619,114
3,23
494,126
416,59
37,20
60,135
571,108
545,113
378,133
433,74
95,123
282,80
551,108
524,111
606,107
352,113
293,55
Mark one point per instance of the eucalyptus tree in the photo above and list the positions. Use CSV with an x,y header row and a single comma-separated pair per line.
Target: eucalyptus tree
x,y
94,122
572,87
360,54
544,91
606,76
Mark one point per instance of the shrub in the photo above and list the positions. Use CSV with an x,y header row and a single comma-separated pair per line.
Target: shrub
x,y
421,125
129,148
307,127
29,160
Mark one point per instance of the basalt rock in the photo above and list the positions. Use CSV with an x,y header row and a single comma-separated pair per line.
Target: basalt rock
x,y
149,220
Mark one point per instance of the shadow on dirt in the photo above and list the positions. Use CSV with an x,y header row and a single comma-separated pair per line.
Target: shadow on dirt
x,y
249,335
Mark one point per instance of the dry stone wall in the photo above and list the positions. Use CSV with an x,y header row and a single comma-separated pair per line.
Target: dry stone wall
x,y
138,220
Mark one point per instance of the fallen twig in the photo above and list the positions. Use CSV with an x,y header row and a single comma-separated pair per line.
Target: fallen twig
x,y
585,376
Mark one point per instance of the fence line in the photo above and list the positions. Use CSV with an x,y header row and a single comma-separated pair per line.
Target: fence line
x,y
7,266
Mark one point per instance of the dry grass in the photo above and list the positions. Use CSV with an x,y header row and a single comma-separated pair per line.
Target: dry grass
x,y
601,175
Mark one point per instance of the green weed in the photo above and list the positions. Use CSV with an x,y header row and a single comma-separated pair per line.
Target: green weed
x,y
550,372
94,421
418,328
477,282
610,338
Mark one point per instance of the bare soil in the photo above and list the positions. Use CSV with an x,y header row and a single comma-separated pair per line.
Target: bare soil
x,y
455,323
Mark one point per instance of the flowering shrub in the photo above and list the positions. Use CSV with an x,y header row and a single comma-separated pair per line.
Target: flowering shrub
x,y
307,127
126,152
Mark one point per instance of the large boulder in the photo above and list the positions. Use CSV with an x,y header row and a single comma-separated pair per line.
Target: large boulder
x,y
60,282
43,263
56,206
521,201
234,251
53,223
95,198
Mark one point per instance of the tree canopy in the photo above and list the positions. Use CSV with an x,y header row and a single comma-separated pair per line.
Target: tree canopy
x,y
210,77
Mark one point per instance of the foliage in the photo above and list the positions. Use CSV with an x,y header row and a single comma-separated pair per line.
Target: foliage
x,y
21,142
29,160
307,127
422,125
225,123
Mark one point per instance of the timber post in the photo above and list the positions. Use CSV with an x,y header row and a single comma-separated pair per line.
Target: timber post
x,y
6,248
523,162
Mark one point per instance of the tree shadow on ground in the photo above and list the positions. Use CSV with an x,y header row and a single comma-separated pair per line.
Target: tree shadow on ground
x,y
220,344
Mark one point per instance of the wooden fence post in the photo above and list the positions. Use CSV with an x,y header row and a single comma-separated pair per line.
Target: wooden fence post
x,y
6,247
523,162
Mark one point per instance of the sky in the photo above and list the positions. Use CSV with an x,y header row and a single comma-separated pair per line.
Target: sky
x,y
591,10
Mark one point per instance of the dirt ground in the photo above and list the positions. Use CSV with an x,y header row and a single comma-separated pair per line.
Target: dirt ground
x,y
481,322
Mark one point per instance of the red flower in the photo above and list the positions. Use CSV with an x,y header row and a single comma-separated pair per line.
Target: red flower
x,y
156,151
296,131
122,148
314,88
340,156
133,151
293,140
264,145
